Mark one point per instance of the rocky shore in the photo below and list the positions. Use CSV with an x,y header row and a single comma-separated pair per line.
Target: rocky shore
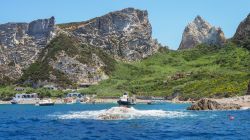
x,y
233,103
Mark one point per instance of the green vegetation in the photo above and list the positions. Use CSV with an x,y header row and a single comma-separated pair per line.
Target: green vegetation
x,y
205,71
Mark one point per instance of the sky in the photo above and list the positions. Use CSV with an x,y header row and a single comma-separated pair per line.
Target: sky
x,y
167,17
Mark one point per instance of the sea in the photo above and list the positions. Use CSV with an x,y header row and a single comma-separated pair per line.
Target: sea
x,y
161,121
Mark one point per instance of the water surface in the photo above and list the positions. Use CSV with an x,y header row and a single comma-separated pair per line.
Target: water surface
x,y
79,121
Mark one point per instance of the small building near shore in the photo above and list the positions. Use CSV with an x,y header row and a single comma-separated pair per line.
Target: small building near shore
x,y
50,87
19,89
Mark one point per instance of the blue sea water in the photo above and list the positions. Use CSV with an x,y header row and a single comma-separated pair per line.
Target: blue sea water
x,y
78,121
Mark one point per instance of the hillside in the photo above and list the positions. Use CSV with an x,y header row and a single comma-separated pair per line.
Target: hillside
x,y
67,62
205,71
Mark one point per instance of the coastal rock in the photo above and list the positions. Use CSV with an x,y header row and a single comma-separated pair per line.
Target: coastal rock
x,y
242,35
208,104
126,34
201,32
20,44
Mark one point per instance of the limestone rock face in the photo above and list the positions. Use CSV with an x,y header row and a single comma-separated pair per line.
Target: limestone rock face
x,y
79,72
198,32
208,104
126,34
242,34
20,44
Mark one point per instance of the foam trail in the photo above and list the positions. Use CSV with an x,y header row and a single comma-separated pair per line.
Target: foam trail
x,y
119,113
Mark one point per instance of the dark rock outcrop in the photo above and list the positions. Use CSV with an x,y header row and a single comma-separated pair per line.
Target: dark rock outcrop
x,y
201,32
242,35
208,104
126,34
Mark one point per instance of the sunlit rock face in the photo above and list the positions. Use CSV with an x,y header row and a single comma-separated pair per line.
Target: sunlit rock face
x,y
242,34
20,44
126,34
201,32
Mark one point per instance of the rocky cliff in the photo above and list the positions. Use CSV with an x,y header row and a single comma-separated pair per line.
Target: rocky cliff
x,y
242,35
66,61
201,32
126,34
20,44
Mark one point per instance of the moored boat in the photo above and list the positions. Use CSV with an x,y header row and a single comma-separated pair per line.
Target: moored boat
x,y
45,103
14,102
151,102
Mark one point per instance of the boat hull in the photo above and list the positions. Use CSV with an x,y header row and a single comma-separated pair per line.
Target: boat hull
x,y
127,103
13,102
47,104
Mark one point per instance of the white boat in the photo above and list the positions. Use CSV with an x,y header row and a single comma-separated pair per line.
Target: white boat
x,y
23,97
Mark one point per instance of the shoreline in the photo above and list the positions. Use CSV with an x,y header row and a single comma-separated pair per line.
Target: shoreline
x,y
243,101
97,101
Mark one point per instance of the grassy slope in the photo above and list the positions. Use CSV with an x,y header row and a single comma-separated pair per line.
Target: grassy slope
x,y
207,71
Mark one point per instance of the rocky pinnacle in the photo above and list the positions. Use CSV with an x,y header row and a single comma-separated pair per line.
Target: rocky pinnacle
x,y
200,31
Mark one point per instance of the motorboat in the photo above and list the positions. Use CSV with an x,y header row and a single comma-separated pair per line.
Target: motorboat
x,y
14,101
125,100
47,102
151,102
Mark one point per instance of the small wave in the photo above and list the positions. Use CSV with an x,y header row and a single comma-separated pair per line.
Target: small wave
x,y
245,108
120,113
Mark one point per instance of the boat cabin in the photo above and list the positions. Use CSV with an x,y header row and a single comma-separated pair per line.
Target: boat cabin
x,y
25,96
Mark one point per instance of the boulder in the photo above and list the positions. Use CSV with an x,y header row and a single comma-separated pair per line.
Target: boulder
x,y
201,32
209,104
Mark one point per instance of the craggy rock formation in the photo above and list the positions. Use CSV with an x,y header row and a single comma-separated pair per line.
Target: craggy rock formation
x,y
20,44
65,61
79,72
199,31
242,35
126,34
208,104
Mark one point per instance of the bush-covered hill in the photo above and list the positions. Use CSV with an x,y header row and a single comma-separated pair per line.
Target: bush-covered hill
x,y
205,71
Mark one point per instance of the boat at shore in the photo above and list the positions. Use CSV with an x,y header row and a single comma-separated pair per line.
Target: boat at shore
x,y
151,102
45,103
14,102
125,100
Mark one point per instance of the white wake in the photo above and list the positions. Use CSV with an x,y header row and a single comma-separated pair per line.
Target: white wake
x,y
120,113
